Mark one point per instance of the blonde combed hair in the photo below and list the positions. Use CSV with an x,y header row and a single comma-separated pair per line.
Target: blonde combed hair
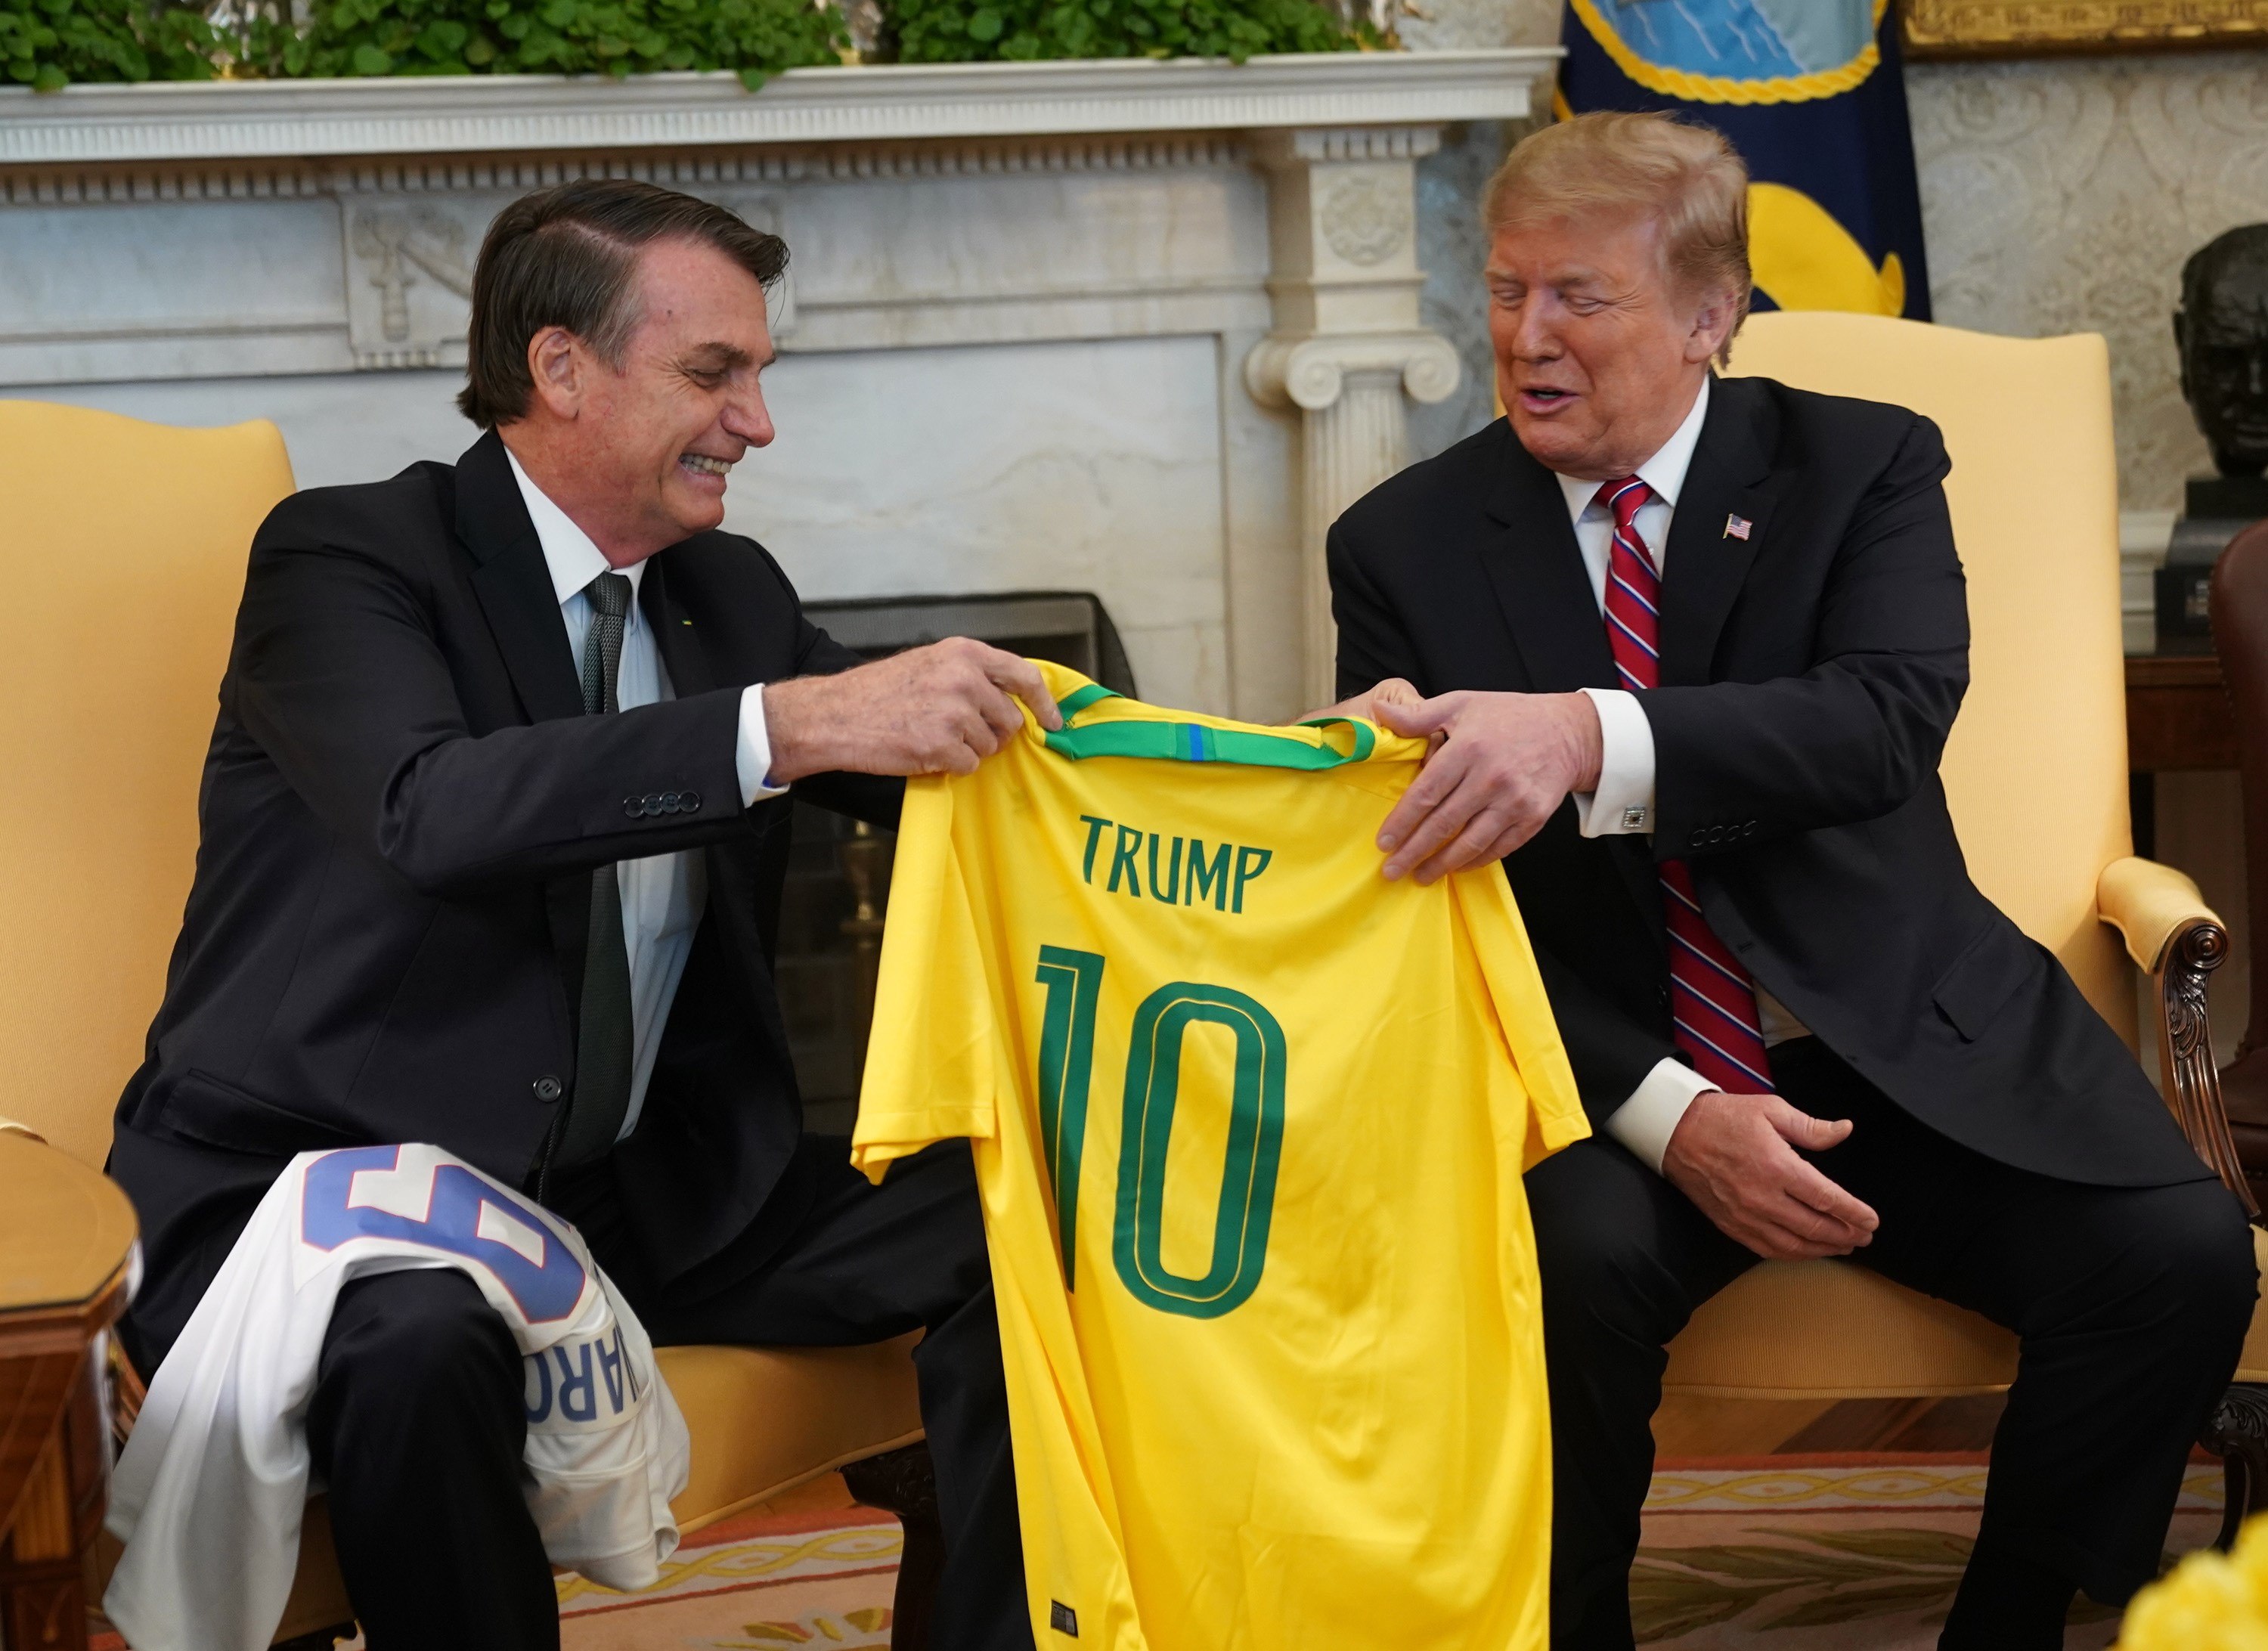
x,y
1688,179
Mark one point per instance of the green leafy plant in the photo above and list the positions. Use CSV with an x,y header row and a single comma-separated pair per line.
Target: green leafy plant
x,y
45,44
963,30
755,38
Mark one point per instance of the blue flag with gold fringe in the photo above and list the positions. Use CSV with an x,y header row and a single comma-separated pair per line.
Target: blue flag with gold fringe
x,y
1809,92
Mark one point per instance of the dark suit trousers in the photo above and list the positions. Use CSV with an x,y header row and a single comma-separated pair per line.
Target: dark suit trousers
x,y
2132,1304
417,1422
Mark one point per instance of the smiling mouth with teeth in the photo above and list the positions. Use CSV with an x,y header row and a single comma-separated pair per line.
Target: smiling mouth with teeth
x,y
702,464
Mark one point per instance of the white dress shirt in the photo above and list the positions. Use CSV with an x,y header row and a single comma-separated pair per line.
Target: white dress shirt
x,y
1624,801
663,894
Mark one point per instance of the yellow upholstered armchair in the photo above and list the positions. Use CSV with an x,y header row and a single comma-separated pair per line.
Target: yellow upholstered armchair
x,y
2036,772
124,557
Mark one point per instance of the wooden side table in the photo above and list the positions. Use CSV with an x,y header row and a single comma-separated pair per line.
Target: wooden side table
x,y
66,1241
2177,716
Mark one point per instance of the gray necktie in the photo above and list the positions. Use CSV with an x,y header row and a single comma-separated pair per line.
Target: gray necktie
x,y
603,1046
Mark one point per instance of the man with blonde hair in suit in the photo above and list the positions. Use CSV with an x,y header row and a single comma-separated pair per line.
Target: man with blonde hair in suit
x,y
1691,647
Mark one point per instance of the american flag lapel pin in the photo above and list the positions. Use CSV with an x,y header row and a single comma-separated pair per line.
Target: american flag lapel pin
x,y
1737,527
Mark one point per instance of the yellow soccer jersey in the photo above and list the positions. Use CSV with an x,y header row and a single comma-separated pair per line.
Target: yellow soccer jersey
x,y
1249,1123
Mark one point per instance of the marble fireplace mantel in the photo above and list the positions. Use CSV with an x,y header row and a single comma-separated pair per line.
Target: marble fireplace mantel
x,y
265,120
1139,326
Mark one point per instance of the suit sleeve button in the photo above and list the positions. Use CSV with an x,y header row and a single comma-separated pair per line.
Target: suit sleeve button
x,y
670,802
691,801
633,806
547,1088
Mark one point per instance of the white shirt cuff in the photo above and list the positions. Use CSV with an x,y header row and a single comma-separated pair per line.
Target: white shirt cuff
x,y
1623,802
1644,1122
753,757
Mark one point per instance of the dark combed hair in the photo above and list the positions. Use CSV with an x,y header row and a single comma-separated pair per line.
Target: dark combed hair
x,y
565,257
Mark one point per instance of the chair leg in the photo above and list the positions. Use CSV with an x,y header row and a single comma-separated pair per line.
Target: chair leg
x,y
2238,1435
43,1551
905,1483
43,1612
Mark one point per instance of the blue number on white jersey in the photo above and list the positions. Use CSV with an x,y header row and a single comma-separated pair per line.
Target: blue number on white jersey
x,y
545,1290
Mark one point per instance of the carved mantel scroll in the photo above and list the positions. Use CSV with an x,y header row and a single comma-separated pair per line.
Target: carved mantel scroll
x,y
1311,373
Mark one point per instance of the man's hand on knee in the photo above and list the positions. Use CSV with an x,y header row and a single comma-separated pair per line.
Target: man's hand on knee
x,y
1735,1155
938,709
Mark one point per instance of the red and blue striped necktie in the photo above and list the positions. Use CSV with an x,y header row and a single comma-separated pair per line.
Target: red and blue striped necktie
x,y
1712,1004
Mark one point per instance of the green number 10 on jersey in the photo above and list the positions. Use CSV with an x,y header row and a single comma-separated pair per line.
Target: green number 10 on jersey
x,y
1247,1198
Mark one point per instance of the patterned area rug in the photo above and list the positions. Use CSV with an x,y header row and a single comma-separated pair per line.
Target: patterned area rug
x,y
762,1582
1852,1552
1834,1552
811,1569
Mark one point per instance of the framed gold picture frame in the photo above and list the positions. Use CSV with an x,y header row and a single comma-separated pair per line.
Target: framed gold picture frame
x,y
2030,28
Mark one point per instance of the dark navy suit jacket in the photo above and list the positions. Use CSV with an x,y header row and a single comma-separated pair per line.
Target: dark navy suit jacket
x,y
1810,674
402,808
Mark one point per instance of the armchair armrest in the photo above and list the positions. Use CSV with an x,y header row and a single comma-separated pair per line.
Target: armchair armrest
x,y
2178,941
2150,904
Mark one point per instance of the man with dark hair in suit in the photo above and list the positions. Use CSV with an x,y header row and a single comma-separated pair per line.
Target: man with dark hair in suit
x,y
494,830
1691,647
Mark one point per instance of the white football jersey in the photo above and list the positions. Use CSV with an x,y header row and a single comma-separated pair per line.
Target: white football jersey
x,y
208,1495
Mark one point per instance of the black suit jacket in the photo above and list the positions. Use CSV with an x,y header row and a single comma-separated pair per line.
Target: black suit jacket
x,y
400,810
1809,676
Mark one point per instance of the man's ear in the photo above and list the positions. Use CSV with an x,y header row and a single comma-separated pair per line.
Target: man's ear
x,y
1712,326
559,369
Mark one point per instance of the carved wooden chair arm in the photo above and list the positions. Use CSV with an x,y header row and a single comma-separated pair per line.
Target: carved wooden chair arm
x,y
2178,941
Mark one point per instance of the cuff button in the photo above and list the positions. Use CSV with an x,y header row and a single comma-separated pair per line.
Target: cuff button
x,y
547,1088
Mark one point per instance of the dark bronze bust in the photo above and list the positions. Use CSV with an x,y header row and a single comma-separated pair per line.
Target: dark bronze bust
x,y
2222,330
